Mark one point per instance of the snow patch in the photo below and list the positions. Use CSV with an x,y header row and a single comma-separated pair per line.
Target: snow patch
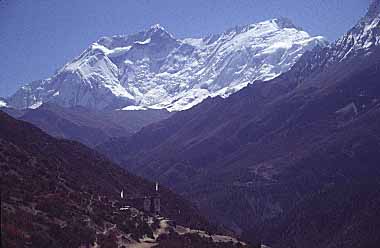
x,y
3,104
118,51
147,41
134,108
194,42
36,105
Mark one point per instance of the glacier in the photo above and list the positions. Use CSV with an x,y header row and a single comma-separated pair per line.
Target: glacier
x,y
154,70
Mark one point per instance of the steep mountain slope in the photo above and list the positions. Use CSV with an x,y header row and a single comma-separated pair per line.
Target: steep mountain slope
x,y
60,193
84,125
358,41
152,69
271,151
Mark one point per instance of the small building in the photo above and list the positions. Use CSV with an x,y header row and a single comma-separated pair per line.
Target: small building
x,y
149,203
152,204
156,205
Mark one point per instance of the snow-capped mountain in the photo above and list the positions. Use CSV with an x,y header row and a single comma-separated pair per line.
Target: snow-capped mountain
x,y
361,39
153,69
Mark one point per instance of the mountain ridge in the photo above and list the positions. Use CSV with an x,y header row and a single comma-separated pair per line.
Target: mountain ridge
x,y
80,124
60,193
153,70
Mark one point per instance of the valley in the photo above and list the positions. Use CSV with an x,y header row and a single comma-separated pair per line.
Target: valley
x,y
259,136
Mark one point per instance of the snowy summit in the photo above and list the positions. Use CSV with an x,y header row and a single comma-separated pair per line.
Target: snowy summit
x,y
154,70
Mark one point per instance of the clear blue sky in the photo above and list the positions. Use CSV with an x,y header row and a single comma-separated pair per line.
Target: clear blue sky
x,y
37,37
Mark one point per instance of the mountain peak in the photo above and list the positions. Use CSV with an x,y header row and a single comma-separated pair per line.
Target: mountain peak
x,y
364,35
157,27
159,30
285,22
272,24
152,69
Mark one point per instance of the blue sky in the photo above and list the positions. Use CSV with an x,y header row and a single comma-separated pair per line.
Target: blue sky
x,y
37,37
